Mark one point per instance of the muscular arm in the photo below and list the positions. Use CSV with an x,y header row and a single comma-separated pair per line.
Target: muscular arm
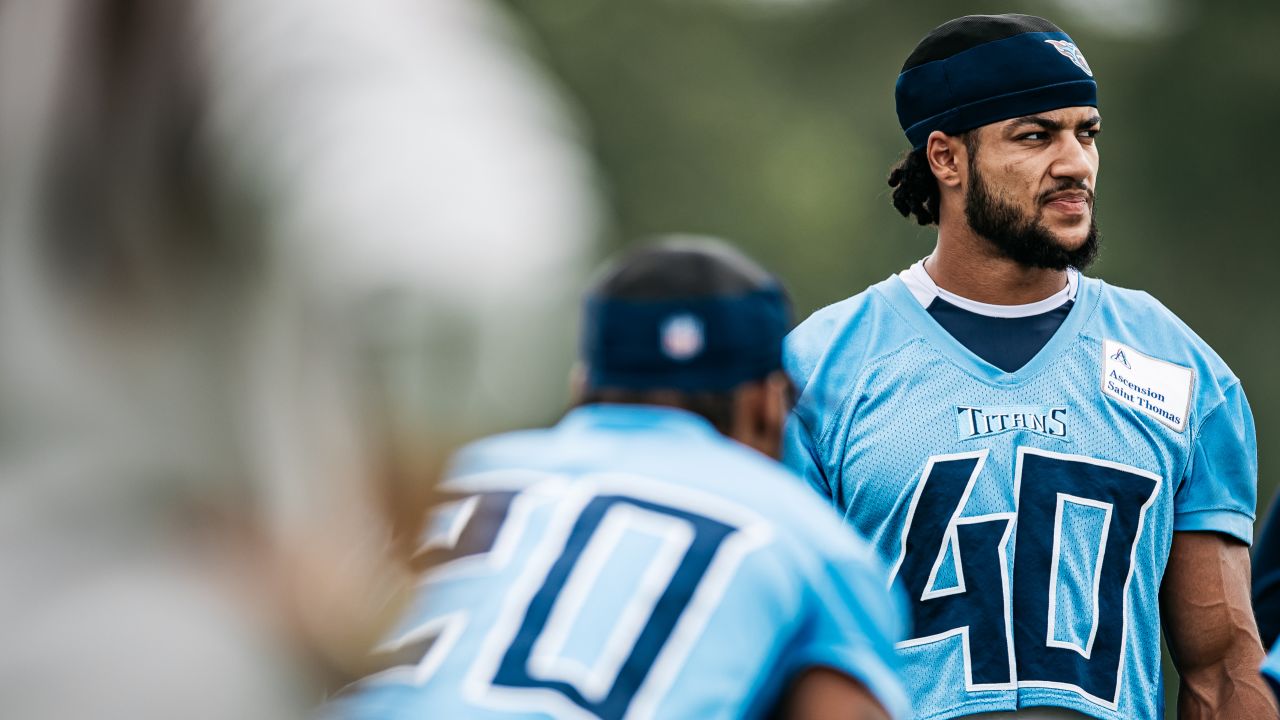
x,y
1209,626
824,694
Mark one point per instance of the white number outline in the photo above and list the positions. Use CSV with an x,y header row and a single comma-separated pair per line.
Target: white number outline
x,y
546,662
752,533
1023,451
949,538
534,487
1095,610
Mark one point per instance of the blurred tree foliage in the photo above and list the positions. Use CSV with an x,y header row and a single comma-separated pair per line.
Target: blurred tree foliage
x,y
771,122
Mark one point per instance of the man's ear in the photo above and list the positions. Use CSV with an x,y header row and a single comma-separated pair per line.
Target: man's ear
x,y
777,397
577,382
947,155
760,412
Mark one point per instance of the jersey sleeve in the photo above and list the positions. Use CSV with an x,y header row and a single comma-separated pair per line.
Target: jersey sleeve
x,y
854,624
1219,490
826,357
801,455
800,449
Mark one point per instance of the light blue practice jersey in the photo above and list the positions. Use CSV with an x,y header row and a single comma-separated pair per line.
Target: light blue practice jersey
x,y
632,562
1028,515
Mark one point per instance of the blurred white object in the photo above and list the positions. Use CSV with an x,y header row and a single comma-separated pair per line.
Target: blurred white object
x,y
247,248
423,173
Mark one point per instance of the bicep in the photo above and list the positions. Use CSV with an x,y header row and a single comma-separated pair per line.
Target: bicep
x,y
821,693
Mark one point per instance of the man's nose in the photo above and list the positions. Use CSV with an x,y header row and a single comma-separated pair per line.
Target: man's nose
x,y
1074,160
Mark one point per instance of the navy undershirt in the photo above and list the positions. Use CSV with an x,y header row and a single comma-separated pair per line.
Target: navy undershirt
x,y
1007,343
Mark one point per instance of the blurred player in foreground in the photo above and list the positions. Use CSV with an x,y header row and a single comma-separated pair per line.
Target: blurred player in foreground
x,y
1050,464
645,557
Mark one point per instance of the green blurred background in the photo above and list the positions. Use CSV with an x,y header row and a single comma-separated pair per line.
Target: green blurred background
x,y
771,122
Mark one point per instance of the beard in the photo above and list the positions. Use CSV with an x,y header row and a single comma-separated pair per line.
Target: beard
x,y
1021,237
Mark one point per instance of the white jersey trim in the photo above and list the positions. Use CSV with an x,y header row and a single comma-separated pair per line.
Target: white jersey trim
x,y
924,289
1033,713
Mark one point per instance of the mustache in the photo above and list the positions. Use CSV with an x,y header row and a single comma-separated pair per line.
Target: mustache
x,y
1064,185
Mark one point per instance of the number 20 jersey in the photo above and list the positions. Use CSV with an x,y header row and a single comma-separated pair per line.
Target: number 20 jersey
x,y
1027,515
632,562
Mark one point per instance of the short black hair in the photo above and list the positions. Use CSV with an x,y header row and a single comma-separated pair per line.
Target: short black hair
x,y
674,267
955,36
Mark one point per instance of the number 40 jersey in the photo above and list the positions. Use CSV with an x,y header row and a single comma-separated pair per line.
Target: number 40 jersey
x,y
1027,515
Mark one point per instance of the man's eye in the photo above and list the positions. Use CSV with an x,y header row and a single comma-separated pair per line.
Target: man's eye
x,y
1033,136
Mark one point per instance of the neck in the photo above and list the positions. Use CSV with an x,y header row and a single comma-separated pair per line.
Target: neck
x,y
968,265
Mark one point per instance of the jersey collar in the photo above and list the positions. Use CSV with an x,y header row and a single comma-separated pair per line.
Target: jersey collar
x,y
924,289
637,417
896,292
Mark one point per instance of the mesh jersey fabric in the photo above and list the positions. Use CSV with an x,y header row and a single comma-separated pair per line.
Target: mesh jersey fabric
x,y
1028,515
638,563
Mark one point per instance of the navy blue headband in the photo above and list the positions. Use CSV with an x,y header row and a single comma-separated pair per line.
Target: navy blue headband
x,y
1020,75
706,343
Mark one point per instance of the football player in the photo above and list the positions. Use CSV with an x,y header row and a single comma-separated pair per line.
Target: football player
x,y
1050,465
646,557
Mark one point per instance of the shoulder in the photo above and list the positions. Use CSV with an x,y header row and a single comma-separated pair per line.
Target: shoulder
x,y
827,555
780,496
505,451
814,532
1140,321
828,354
832,329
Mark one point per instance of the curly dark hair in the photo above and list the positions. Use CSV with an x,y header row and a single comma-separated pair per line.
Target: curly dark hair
x,y
915,189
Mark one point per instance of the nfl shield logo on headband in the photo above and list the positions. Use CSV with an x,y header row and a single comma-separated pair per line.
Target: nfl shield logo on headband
x,y
1072,53
682,337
